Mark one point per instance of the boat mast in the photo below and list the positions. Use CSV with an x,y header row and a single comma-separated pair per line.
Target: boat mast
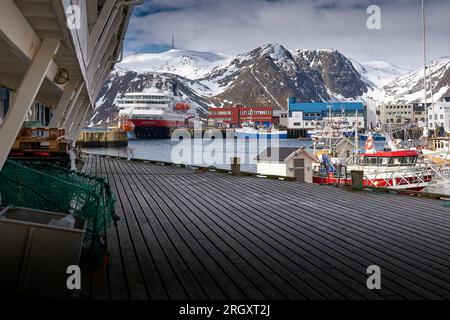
x,y
428,63
356,138
425,67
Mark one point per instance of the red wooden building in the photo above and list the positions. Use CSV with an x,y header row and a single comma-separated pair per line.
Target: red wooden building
x,y
237,115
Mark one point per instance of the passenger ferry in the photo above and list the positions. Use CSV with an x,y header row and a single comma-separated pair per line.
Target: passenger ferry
x,y
153,113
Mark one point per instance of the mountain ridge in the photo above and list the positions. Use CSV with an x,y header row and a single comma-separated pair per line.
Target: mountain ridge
x,y
266,75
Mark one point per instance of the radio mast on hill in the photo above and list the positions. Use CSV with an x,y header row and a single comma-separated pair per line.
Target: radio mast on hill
x,y
173,42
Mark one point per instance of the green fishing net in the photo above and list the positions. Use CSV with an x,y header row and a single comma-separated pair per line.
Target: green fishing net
x,y
45,186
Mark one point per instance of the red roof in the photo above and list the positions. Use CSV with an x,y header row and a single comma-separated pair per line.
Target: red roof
x,y
399,153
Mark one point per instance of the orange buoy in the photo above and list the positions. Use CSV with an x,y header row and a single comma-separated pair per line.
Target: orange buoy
x,y
127,125
182,106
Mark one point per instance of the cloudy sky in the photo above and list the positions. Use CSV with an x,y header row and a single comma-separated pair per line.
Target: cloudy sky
x,y
236,26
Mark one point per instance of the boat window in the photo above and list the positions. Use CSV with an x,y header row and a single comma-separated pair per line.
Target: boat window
x,y
384,161
396,161
409,160
370,161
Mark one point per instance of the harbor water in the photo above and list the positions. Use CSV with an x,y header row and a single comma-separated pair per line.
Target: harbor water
x,y
214,154
202,153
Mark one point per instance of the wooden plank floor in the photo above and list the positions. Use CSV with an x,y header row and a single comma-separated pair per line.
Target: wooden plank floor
x,y
205,235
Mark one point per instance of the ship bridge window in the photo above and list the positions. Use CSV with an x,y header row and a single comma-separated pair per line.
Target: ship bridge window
x,y
389,161
370,161
398,161
376,161
409,160
383,161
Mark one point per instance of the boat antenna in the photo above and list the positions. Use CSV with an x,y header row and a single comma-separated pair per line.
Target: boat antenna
x,y
430,70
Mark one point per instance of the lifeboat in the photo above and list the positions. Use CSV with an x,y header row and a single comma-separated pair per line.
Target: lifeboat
x,y
182,106
127,125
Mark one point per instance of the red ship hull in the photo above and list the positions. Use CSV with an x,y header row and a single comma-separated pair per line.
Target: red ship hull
x,y
158,129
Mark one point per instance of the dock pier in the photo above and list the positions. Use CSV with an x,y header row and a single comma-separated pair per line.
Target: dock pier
x,y
103,138
224,132
187,234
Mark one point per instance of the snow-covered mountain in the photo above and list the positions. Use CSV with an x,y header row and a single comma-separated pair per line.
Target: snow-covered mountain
x,y
185,63
267,75
378,73
409,87
340,78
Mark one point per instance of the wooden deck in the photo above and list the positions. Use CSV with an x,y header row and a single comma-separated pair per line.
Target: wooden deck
x,y
190,235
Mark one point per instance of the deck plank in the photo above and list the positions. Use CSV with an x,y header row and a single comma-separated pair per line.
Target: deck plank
x,y
211,275
372,236
99,282
336,236
281,264
190,235
135,282
117,279
161,248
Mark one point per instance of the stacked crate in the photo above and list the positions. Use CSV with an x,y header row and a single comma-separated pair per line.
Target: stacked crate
x,y
42,139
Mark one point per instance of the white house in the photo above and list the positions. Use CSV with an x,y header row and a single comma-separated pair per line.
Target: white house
x,y
282,117
286,162
396,113
439,115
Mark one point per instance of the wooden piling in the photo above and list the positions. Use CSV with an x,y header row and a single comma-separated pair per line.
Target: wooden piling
x,y
236,166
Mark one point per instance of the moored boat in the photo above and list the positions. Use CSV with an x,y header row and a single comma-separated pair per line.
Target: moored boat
x,y
400,169
153,113
248,132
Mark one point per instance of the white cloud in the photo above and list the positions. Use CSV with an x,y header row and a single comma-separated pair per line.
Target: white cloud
x,y
235,26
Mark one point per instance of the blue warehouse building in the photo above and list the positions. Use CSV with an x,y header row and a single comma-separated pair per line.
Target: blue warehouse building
x,y
303,116
320,110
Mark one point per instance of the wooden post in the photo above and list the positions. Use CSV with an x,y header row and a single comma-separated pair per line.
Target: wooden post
x,y
339,170
235,166
357,179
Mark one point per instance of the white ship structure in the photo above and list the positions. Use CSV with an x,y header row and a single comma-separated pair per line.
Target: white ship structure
x,y
153,113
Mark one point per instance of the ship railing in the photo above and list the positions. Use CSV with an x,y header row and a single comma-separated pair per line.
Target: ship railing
x,y
411,176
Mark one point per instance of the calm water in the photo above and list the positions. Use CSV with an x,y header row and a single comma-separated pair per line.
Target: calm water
x,y
197,152
216,153
439,188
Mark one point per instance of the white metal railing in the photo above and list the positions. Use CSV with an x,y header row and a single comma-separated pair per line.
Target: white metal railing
x,y
411,176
